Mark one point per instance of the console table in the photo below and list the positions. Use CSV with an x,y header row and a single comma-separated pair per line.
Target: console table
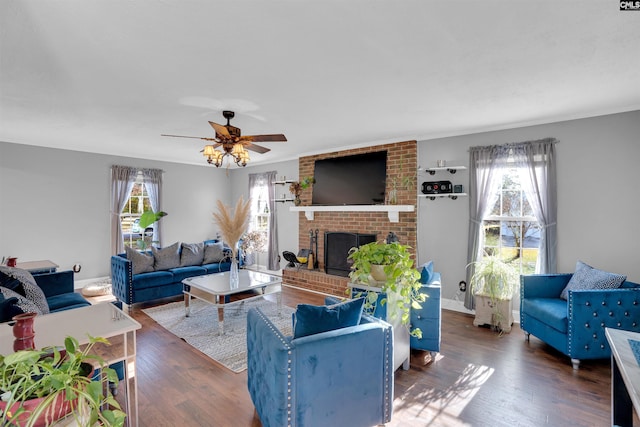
x,y
33,267
101,320
625,377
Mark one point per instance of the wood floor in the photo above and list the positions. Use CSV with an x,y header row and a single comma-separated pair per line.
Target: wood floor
x,y
478,379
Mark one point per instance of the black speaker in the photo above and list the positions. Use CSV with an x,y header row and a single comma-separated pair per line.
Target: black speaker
x,y
437,187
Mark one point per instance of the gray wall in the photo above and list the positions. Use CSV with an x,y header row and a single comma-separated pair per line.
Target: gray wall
x,y
598,196
55,204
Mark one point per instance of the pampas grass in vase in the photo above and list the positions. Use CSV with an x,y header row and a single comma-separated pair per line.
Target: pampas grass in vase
x,y
232,225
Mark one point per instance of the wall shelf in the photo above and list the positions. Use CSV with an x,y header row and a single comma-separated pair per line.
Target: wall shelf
x,y
450,169
285,182
283,200
452,196
393,211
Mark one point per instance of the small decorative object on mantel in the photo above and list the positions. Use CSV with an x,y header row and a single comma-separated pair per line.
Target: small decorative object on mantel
x,y
232,227
296,188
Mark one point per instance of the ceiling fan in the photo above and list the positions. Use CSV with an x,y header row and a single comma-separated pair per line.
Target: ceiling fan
x,y
232,142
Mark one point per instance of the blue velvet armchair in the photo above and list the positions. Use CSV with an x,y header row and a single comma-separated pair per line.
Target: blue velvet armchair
x,y
576,326
342,377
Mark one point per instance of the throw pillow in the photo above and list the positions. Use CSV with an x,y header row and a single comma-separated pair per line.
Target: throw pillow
x,y
192,254
24,304
24,284
587,277
426,272
141,263
8,308
213,253
312,319
166,258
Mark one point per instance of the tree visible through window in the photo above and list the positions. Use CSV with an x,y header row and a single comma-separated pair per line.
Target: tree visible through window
x,y
511,230
137,203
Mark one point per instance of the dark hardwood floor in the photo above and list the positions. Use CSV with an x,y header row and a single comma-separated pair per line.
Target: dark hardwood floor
x,y
479,379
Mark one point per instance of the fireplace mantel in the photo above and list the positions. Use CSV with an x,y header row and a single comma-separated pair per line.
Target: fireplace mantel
x,y
393,211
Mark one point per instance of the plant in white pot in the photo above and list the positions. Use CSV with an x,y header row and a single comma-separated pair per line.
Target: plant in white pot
x,y
389,267
493,283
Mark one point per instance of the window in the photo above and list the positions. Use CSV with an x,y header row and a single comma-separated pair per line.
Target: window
x,y
510,228
137,203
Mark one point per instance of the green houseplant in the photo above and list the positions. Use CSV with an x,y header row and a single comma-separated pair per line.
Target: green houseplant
x,y
400,278
37,387
146,219
494,281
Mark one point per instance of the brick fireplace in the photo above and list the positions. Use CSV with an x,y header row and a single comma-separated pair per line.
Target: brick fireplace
x,y
401,166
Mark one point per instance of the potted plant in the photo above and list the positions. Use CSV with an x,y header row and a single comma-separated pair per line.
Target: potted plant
x,y
493,283
146,219
389,267
38,387
296,188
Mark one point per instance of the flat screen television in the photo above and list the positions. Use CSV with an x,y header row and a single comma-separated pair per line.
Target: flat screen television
x,y
350,180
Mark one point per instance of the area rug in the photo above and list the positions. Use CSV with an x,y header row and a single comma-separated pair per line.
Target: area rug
x,y
200,329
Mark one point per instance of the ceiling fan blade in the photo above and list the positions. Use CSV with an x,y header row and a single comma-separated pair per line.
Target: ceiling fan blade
x,y
194,137
257,148
264,138
221,131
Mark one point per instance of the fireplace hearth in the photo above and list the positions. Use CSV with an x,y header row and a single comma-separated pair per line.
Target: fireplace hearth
x,y
336,250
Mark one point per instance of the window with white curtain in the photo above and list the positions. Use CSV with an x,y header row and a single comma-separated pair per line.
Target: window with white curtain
x,y
511,231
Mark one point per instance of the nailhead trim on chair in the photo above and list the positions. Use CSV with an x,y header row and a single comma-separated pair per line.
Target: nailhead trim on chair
x,y
387,368
289,364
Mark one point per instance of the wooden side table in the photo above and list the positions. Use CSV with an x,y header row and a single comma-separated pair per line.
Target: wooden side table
x,y
34,267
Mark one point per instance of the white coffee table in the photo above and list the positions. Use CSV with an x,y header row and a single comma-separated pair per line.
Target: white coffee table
x,y
214,288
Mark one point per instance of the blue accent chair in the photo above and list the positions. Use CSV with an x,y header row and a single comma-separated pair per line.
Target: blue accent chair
x,y
304,381
575,326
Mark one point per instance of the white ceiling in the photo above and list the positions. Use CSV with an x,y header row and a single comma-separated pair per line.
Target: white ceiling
x,y
110,76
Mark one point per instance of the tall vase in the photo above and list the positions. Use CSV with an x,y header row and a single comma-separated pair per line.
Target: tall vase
x,y
234,280
23,331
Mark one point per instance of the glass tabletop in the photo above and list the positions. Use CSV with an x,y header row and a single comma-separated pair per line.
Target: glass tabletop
x,y
219,283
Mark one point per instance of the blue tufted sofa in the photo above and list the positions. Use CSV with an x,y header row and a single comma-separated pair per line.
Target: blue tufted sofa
x,y
575,326
323,379
59,290
134,288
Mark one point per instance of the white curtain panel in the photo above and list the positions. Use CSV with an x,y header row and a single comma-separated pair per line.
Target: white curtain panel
x,y
122,180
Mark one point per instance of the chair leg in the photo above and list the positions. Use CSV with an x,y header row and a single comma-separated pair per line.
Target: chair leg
x,y
527,336
406,364
575,363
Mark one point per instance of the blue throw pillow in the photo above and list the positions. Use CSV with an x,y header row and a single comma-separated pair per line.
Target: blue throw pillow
x,y
313,319
426,272
587,277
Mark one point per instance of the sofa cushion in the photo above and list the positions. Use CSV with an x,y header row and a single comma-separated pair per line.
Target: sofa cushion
x,y
191,254
66,301
181,273
152,279
550,311
426,272
8,308
166,258
22,282
24,304
217,267
213,253
587,277
312,319
140,262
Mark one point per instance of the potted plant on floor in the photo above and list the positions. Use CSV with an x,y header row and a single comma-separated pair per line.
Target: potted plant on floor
x,y
38,387
493,283
388,267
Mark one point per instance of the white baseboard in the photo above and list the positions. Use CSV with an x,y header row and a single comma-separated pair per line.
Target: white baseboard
x,y
458,305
